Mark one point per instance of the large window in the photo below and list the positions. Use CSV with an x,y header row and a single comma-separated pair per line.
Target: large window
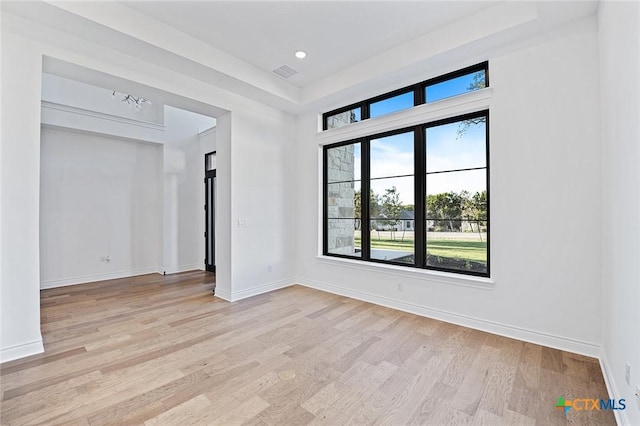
x,y
427,204
456,202
426,187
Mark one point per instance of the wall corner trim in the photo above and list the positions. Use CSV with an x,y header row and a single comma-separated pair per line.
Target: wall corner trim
x,y
22,350
620,415
222,294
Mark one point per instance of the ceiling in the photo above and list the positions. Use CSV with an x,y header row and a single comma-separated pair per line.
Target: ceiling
x,y
335,34
356,49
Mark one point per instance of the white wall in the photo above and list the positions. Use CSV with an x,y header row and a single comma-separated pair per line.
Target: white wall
x,y
545,207
181,181
256,182
254,145
20,275
263,196
620,91
184,189
224,218
99,197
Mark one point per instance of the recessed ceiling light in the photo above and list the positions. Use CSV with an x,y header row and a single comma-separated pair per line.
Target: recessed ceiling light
x,y
301,54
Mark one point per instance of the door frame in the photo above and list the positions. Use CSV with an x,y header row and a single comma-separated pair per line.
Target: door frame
x,y
210,213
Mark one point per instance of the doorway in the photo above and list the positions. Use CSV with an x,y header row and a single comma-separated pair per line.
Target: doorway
x,y
210,211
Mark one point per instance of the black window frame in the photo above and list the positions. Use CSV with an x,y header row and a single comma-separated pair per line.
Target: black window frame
x,y
420,189
327,115
418,90
389,95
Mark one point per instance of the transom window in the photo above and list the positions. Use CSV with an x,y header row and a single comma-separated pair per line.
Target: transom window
x,y
456,83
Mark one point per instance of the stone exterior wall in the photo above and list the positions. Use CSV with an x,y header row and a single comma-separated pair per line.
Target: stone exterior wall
x,y
341,196
340,120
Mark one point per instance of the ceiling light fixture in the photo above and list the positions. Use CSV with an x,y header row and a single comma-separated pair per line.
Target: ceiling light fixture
x,y
301,54
133,101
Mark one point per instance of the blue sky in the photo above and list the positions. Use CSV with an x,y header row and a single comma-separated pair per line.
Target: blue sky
x,y
392,161
386,106
393,155
449,88
448,151
435,92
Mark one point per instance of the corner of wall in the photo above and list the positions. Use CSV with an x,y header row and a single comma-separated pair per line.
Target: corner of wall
x,y
254,291
620,415
22,350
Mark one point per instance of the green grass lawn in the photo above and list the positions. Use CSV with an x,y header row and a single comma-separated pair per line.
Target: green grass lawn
x,y
458,249
451,248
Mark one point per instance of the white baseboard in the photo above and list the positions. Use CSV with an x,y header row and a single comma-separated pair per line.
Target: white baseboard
x,y
183,268
253,291
22,350
519,333
264,288
621,415
95,277
222,294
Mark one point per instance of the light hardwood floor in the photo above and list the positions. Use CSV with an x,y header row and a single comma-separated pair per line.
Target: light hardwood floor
x,y
161,350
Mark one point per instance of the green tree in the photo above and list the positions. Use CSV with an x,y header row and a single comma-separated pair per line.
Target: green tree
x,y
446,206
479,202
392,207
476,210
374,206
479,82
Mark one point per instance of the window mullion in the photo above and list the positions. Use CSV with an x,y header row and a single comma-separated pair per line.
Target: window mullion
x,y
419,197
365,189
488,184
325,202
365,110
418,95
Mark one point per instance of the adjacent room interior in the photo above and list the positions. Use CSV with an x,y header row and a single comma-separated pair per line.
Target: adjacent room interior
x,y
121,183
183,236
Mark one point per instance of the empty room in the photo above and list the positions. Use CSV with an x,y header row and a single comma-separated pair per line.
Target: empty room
x,y
184,240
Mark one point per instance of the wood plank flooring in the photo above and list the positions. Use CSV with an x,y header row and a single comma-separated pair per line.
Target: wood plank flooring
x,y
161,350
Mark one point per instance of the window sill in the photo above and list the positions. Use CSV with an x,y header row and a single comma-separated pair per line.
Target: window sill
x,y
407,272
